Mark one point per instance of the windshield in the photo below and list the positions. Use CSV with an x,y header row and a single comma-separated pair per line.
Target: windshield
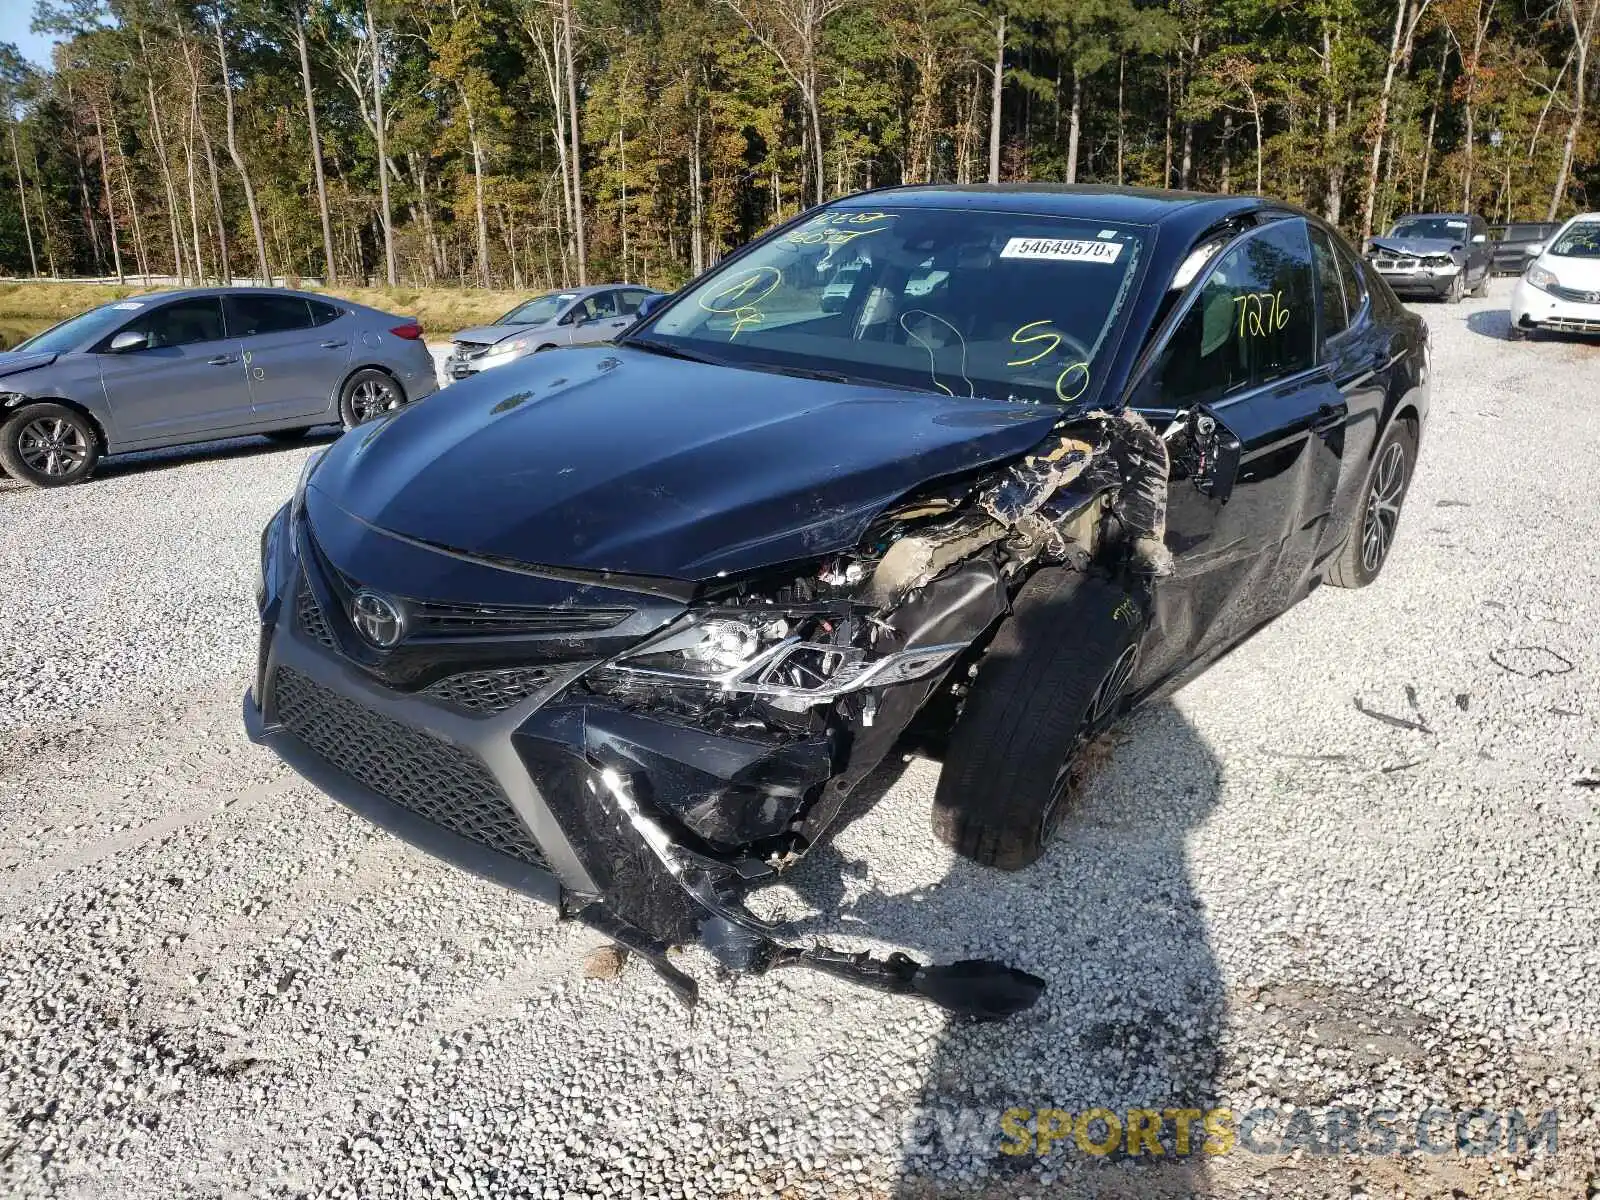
x,y
536,311
1444,229
1579,240
83,329
1007,306
1523,233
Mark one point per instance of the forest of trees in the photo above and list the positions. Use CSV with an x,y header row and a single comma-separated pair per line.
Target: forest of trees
x,y
528,143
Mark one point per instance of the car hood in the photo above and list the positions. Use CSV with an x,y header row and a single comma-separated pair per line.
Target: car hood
x,y
494,333
12,361
1581,274
1418,245
620,460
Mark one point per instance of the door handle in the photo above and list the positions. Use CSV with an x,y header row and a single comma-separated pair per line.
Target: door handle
x,y
222,360
334,345
1329,417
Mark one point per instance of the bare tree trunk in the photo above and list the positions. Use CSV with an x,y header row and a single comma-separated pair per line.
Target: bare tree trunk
x,y
105,182
1227,153
44,215
1187,165
141,254
697,250
83,182
577,154
1074,125
1166,167
994,99
1122,67
1582,38
1333,197
163,160
194,196
238,162
477,189
1399,48
316,146
381,133
22,196
1433,124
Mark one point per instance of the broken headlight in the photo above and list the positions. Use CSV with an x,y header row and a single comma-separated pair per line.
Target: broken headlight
x,y
794,659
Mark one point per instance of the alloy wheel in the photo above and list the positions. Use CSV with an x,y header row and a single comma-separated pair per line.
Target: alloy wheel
x,y
1383,507
53,446
371,398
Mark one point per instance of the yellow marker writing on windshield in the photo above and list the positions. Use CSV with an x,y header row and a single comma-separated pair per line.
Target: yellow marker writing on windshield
x,y
1073,382
740,298
1053,338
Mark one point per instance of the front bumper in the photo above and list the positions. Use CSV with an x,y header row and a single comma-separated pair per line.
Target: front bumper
x,y
1533,308
1417,283
635,823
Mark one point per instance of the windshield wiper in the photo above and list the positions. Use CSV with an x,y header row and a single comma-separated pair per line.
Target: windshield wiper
x,y
655,347
840,377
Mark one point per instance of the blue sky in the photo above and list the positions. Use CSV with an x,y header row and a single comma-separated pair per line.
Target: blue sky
x,y
15,17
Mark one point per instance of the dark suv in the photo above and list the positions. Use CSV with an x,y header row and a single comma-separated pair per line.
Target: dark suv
x,y
1442,255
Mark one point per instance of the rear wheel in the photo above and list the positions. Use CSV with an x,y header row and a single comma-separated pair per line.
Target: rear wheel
x,y
1039,697
367,394
1483,286
1372,536
48,445
1456,289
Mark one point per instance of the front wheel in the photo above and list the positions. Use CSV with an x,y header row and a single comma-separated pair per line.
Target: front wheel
x,y
1053,678
48,445
367,394
1372,536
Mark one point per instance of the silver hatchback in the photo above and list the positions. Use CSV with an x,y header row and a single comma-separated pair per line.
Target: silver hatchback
x,y
193,366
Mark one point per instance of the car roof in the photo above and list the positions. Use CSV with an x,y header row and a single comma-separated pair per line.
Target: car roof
x,y
1128,205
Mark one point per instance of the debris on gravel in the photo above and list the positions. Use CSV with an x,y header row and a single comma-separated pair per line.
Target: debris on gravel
x,y
1353,869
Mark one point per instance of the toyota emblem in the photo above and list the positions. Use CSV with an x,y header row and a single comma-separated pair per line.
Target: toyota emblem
x,y
378,619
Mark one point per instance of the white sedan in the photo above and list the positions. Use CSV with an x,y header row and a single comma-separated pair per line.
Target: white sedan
x,y
1560,290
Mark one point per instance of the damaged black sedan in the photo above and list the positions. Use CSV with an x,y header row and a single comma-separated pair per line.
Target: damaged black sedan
x,y
974,469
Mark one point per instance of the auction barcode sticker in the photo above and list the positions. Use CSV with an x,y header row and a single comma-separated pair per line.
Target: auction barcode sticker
x,y
1063,249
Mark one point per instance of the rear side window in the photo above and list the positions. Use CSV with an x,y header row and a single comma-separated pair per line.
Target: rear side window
x,y
252,315
1336,309
1253,322
631,301
323,314
182,323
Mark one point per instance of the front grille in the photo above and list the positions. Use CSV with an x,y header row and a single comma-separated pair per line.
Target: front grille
x,y
1573,324
463,620
308,615
1398,264
488,692
437,781
1574,296
470,349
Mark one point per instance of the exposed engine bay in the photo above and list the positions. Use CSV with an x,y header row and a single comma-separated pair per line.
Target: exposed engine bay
x,y
804,682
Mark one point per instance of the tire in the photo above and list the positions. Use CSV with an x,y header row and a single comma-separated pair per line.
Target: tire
x,y
1040,695
49,445
1457,288
1362,558
1482,289
367,394
1516,333
287,435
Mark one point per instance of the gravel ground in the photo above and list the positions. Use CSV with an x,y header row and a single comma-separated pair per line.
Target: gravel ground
x,y
215,982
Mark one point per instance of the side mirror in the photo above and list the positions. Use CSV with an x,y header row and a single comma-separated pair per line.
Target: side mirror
x,y
1478,238
129,340
1535,248
649,304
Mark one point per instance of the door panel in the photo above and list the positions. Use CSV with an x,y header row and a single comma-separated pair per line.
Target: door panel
x,y
189,379
293,365
1245,349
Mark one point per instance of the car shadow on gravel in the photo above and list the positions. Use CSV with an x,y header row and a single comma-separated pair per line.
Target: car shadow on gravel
x,y
141,461
1491,323
1134,1005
